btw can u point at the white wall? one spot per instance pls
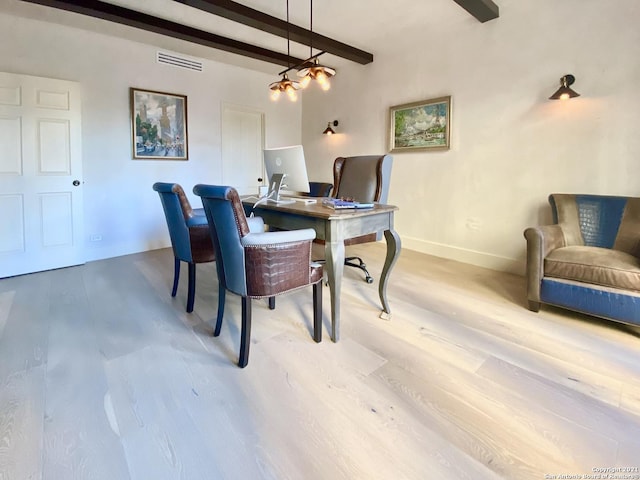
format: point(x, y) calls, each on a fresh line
point(510, 146)
point(119, 202)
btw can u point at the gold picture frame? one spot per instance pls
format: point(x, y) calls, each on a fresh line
point(158, 125)
point(420, 126)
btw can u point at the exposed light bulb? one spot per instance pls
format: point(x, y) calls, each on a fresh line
point(293, 96)
point(306, 80)
point(565, 96)
point(321, 77)
point(275, 94)
point(326, 85)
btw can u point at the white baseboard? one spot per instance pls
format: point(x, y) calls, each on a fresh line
point(473, 257)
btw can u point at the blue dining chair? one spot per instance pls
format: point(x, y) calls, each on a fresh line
point(189, 234)
point(253, 263)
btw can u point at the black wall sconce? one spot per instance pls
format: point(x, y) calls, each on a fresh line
point(329, 130)
point(564, 92)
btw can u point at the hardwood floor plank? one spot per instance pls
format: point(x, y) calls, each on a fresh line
point(78, 440)
point(104, 375)
point(349, 412)
point(6, 301)
point(599, 417)
point(473, 414)
point(25, 335)
point(22, 416)
point(630, 398)
point(153, 395)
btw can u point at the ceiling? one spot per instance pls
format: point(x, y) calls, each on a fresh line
point(378, 30)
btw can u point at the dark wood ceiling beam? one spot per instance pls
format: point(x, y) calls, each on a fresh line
point(132, 18)
point(483, 10)
point(275, 26)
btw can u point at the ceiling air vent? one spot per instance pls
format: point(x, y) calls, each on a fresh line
point(180, 62)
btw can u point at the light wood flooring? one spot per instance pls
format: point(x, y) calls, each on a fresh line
point(104, 376)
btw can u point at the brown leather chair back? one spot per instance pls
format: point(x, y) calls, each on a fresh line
point(361, 178)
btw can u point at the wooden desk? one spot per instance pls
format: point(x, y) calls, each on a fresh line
point(334, 226)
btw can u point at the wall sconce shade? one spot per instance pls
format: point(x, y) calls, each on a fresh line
point(329, 130)
point(564, 92)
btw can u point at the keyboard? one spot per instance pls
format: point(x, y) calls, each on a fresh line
point(299, 198)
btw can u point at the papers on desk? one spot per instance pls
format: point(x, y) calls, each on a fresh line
point(337, 204)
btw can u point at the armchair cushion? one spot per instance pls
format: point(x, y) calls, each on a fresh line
point(594, 265)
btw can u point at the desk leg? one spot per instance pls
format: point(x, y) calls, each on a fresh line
point(334, 255)
point(393, 249)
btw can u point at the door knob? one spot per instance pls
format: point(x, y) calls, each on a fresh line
point(76, 183)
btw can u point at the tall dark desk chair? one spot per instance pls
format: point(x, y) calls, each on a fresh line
point(189, 234)
point(320, 189)
point(364, 179)
point(253, 263)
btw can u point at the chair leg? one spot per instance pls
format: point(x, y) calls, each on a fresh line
point(534, 306)
point(176, 276)
point(222, 292)
point(317, 312)
point(361, 265)
point(192, 287)
point(245, 335)
point(272, 303)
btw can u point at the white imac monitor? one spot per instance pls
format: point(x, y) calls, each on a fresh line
point(287, 161)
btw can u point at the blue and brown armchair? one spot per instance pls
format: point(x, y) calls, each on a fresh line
point(589, 259)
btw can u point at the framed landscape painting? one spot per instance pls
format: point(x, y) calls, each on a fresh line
point(420, 126)
point(158, 125)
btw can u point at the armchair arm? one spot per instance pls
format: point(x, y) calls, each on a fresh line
point(278, 237)
point(540, 242)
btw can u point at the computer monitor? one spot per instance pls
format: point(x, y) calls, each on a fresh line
point(288, 161)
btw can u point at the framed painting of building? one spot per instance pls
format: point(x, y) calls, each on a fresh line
point(420, 126)
point(158, 125)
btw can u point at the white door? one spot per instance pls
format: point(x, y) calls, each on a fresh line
point(242, 145)
point(40, 174)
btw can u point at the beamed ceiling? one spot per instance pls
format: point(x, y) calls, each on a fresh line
point(345, 30)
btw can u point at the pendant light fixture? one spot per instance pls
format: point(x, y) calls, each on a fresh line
point(311, 69)
point(285, 84)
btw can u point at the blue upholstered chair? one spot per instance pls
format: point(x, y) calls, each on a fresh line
point(589, 259)
point(189, 234)
point(364, 179)
point(253, 263)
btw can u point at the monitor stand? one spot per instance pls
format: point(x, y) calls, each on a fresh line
point(275, 186)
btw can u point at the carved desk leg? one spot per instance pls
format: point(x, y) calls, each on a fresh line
point(393, 249)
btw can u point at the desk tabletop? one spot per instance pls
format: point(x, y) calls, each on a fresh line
point(318, 210)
